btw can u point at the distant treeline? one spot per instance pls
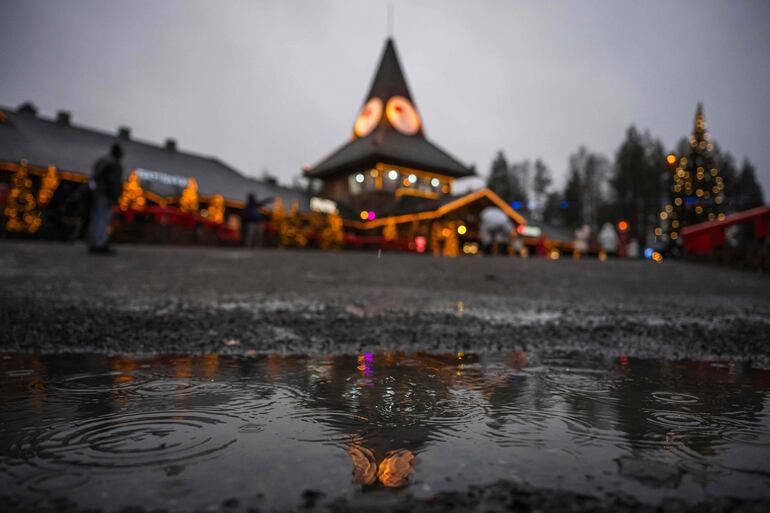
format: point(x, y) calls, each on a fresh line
point(633, 187)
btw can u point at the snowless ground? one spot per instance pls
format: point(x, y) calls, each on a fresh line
point(56, 298)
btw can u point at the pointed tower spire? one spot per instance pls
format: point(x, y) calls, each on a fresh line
point(389, 80)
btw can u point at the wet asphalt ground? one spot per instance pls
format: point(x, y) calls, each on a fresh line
point(145, 300)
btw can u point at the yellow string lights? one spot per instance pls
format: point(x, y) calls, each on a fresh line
point(21, 211)
point(189, 202)
point(217, 209)
point(48, 185)
point(132, 196)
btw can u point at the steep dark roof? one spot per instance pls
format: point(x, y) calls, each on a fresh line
point(385, 144)
point(389, 80)
point(44, 142)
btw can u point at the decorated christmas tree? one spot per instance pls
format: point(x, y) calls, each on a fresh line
point(290, 232)
point(133, 194)
point(217, 209)
point(696, 192)
point(21, 214)
point(188, 203)
point(332, 235)
point(48, 186)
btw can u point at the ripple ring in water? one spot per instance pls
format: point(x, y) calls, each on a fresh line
point(94, 384)
point(143, 439)
point(675, 398)
point(675, 419)
point(55, 482)
point(175, 387)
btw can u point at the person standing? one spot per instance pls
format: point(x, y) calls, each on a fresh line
point(254, 221)
point(106, 185)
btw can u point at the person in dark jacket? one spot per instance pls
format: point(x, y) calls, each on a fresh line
point(254, 221)
point(106, 185)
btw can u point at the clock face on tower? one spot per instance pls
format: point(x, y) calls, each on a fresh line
point(402, 115)
point(368, 118)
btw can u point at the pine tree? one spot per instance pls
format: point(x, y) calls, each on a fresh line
point(748, 192)
point(540, 184)
point(133, 194)
point(498, 177)
point(572, 212)
point(518, 180)
point(637, 181)
point(21, 214)
point(696, 190)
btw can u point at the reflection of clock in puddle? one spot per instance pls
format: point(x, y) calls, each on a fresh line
point(402, 115)
point(369, 117)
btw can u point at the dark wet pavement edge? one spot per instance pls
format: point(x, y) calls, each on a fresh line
point(497, 497)
point(51, 326)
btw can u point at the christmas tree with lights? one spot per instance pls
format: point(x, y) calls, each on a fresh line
point(132, 196)
point(291, 233)
point(189, 202)
point(217, 208)
point(696, 191)
point(332, 236)
point(21, 214)
point(48, 185)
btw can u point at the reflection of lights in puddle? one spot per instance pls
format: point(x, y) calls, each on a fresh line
point(393, 471)
point(365, 363)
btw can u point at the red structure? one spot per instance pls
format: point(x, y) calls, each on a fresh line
point(737, 237)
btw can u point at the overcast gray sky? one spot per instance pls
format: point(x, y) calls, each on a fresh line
point(274, 85)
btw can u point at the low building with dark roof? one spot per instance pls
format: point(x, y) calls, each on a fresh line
point(165, 169)
point(39, 145)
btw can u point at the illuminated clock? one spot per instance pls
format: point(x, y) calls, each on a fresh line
point(402, 115)
point(368, 118)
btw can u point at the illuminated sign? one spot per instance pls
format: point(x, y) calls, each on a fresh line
point(164, 178)
point(322, 205)
point(529, 231)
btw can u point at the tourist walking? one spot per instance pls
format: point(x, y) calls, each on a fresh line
point(106, 186)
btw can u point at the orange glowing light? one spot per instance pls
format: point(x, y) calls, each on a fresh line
point(402, 115)
point(623, 226)
point(395, 468)
point(368, 118)
point(364, 215)
point(671, 159)
point(364, 467)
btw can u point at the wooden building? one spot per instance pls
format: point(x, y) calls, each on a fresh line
point(394, 185)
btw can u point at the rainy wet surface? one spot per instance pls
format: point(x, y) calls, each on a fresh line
point(187, 432)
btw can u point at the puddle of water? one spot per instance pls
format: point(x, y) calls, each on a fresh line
point(188, 432)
